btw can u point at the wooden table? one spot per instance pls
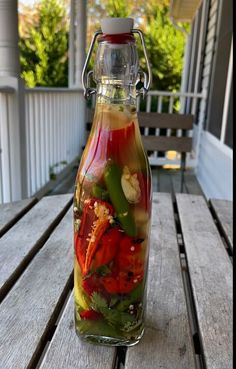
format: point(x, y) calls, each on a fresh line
point(189, 309)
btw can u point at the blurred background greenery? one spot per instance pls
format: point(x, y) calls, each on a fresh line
point(44, 39)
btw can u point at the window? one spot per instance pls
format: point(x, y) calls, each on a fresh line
point(219, 73)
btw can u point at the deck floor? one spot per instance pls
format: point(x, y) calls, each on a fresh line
point(164, 180)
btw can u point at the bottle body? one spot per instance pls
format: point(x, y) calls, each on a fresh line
point(112, 211)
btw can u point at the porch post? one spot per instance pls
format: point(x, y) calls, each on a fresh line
point(13, 148)
point(184, 79)
point(9, 53)
point(78, 31)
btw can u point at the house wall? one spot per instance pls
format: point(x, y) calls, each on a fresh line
point(214, 164)
point(214, 171)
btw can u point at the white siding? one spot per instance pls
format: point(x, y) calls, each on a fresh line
point(215, 169)
point(214, 165)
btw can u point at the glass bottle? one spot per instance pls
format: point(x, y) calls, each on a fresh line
point(112, 200)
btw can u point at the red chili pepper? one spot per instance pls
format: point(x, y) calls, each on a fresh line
point(107, 248)
point(122, 282)
point(128, 269)
point(145, 187)
point(90, 314)
point(101, 227)
point(129, 256)
point(81, 242)
point(111, 141)
point(92, 284)
point(107, 143)
point(85, 246)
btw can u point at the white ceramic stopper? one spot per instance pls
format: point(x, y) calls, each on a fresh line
point(112, 26)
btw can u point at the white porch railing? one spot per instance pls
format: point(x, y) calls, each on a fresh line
point(55, 134)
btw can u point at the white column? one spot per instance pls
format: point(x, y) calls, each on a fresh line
point(14, 181)
point(9, 52)
point(185, 73)
point(77, 47)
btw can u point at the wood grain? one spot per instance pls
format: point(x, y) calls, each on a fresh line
point(158, 120)
point(164, 180)
point(191, 183)
point(12, 211)
point(165, 120)
point(210, 272)
point(223, 210)
point(167, 341)
point(19, 244)
point(163, 143)
point(27, 311)
point(66, 350)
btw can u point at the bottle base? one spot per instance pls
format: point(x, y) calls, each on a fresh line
point(109, 341)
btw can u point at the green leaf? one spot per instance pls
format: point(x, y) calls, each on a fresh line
point(132, 298)
point(99, 327)
point(53, 176)
point(117, 318)
point(114, 317)
point(98, 302)
point(114, 300)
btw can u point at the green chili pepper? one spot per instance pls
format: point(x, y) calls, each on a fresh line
point(100, 192)
point(112, 177)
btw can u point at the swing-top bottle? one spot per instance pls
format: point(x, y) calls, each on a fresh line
point(112, 199)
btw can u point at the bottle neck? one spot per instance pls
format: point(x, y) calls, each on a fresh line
point(113, 92)
point(116, 68)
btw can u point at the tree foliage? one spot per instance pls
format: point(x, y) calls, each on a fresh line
point(44, 47)
point(165, 44)
point(44, 42)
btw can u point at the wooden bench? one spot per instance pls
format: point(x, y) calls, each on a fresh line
point(223, 212)
point(11, 212)
point(189, 292)
point(150, 122)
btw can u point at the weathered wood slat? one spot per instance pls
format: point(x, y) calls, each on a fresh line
point(66, 350)
point(211, 279)
point(19, 244)
point(166, 342)
point(191, 183)
point(158, 120)
point(176, 181)
point(165, 120)
point(223, 210)
point(11, 212)
point(67, 184)
point(163, 143)
point(29, 309)
point(164, 181)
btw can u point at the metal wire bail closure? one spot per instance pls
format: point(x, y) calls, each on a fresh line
point(88, 91)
